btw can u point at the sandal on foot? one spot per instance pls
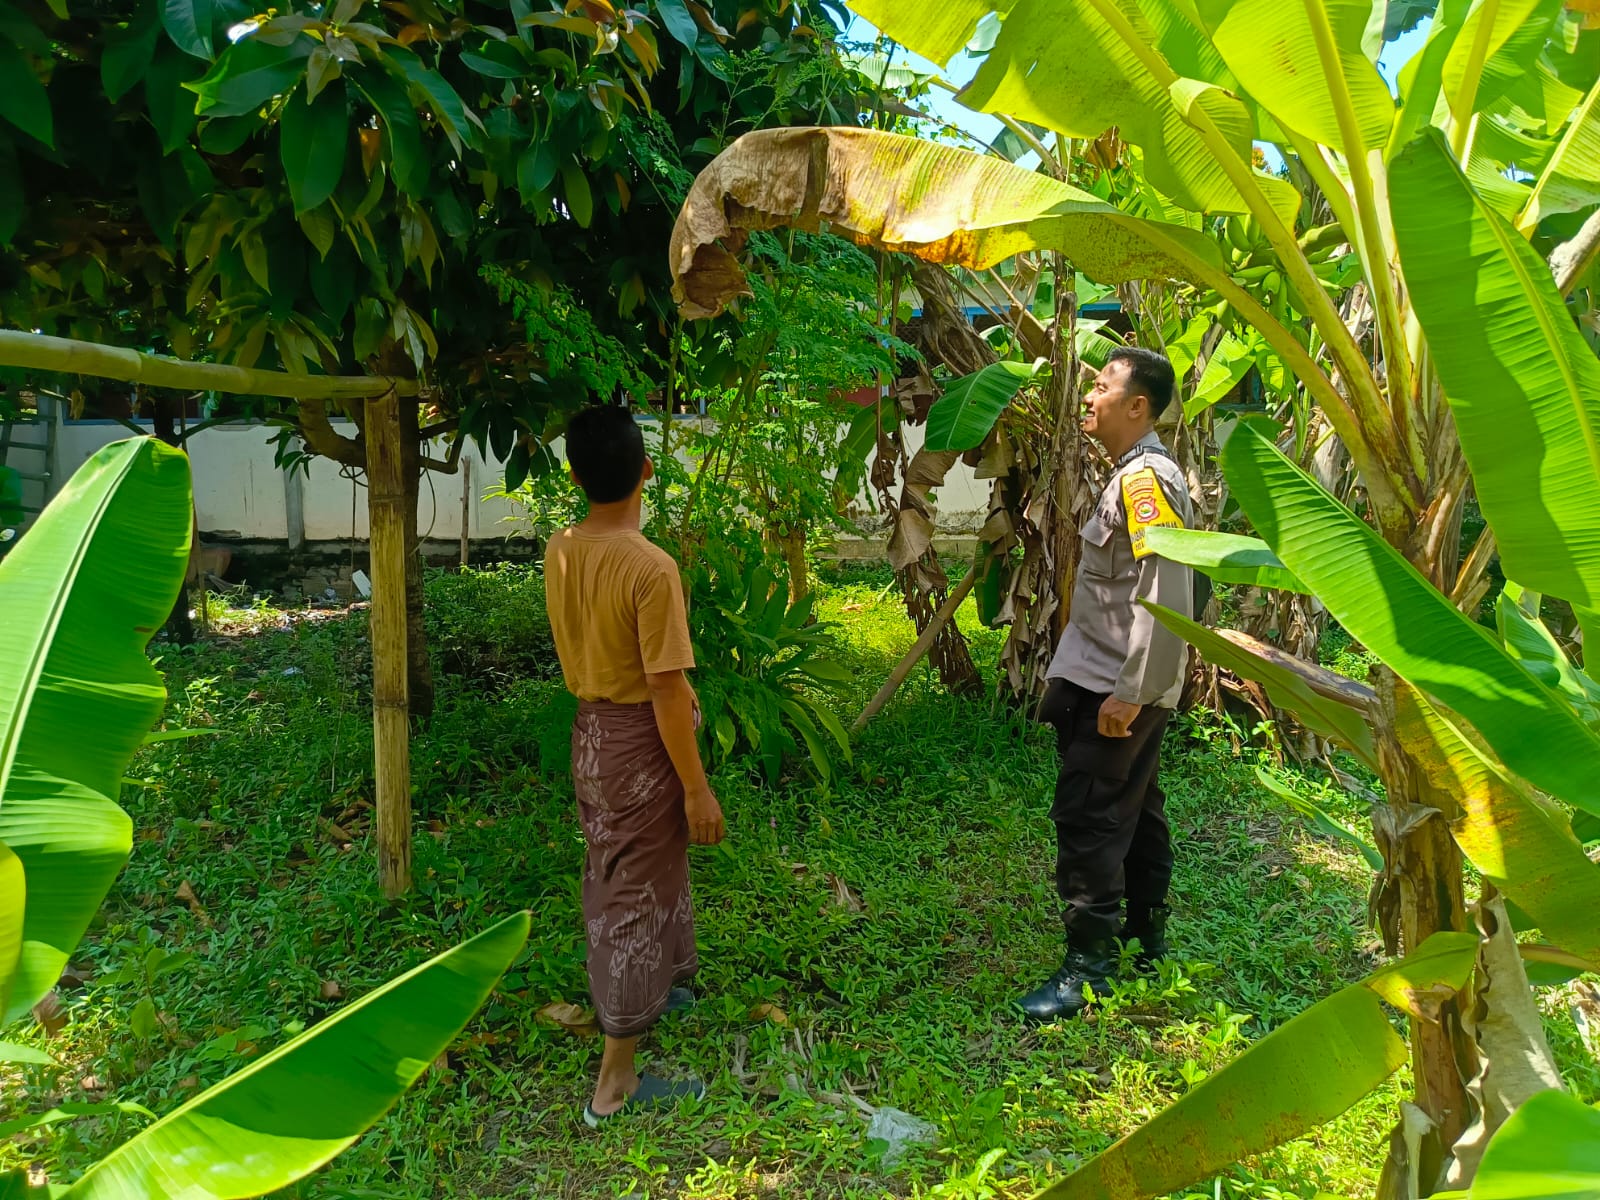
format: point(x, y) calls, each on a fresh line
point(653, 1092)
point(680, 999)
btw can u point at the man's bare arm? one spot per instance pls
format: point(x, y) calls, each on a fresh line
point(674, 703)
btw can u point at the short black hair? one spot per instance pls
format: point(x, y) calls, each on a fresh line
point(1149, 373)
point(605, 449)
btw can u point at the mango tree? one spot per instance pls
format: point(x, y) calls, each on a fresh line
point(417, 189)
point(1462, 371)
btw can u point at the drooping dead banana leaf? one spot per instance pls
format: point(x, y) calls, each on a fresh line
point(900, 193)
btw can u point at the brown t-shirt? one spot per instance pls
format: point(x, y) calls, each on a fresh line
point(617, 612)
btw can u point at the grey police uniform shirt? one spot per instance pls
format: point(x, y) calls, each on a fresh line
point(1113, 645)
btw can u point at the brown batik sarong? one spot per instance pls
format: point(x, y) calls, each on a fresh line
point(636, 901)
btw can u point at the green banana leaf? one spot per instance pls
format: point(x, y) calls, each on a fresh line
point(938, 32)
point(1229, 363)
point(1391, 610)
point(1570, 181)
point(289, 1112)
point(1317, 817)
point(1093, 346)
point(1549, 1148)
point(1476, 68)
point(1525, 849)
point(79, 608)
point(962, 417)
point(1288, 688)
point(1536, 648)
point(13, 899)
point(1302, 1074)
point(11, 1052)
point(1081, 68)
point(1226, 557)
point(1523, 384)
point(1332, 92)
point(1422, 78)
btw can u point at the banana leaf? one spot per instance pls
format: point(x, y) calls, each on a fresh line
point(1226, 557)
point(962, 417)
point(1523, 384)
point(289, 1112)
point(1536, 648)
point(1387, 606)
point(1316, 817)
point(79, 608)
point(1302, 1074)
point(1084, 67)
point(902, 193)
point(936, 31)
point(1302, 688)
point(1570, 181)
point(1525, 849)
point(1489, 50)
point(1305, 62)
point(1549, 1148)
point(1422, 78)
point(13, 899)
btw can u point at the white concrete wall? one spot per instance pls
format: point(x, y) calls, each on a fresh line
point(239, 493)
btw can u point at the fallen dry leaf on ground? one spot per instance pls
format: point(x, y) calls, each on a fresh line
point(769, 1012)
point(185, 893)
point(842, 895)
point(570, 1017)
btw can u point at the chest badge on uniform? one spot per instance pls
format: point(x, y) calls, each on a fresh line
point(1147, 508)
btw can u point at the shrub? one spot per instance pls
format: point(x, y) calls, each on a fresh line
point(490, 623)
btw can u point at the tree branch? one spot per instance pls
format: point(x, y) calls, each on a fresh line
point(319, 434)
point(1571, 259)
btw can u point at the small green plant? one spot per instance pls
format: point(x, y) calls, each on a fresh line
point(761, 660)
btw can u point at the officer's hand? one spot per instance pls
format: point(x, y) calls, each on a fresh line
point(1116, 716)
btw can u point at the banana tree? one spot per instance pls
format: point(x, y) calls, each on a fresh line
point(82, 594)
point(1463, 372)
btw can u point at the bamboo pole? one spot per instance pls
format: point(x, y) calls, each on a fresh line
point(386, 504)
point(466, 508)
point(68, 356)
point(921, 647)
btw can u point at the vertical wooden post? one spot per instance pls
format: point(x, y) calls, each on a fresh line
point(391, 732)
point(466, 508)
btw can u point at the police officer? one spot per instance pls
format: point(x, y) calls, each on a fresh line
point(1112, 685)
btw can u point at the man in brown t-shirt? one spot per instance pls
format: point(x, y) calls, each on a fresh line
point(617, 612)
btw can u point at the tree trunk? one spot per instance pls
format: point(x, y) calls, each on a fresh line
point(1419, 894)
point(387, 505)
point(419, 664)
point(793, 547)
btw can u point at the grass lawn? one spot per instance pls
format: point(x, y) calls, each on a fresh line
point(859, 942)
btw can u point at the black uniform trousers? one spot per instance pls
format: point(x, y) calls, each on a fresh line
point(1112, 839)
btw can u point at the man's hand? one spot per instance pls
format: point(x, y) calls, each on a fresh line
point(1116, 716)
point(705, 817)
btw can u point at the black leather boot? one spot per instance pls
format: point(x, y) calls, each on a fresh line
point(1089, 962)
point(1148, 924)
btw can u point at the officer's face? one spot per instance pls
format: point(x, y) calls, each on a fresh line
point(1107, 409)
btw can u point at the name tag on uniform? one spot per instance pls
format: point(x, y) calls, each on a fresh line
point(1147, 508)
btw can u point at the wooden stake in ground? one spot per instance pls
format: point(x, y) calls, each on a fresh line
point(386, 500)
point(914, 655)
point(466, 508)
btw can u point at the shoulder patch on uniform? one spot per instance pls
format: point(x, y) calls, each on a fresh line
point(1147, 507)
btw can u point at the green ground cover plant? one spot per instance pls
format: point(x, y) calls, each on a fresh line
point(859, 938)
